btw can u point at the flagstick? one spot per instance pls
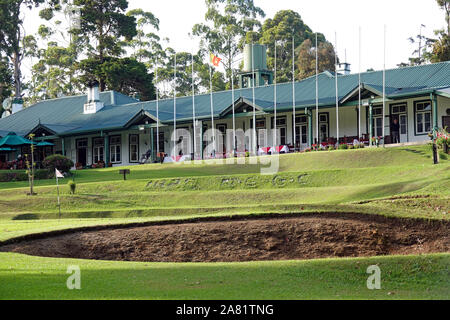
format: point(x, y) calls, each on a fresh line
point(193, 108)
point(254, 102)
point(293, 91)
point(59, 201)
point(384, 86)
point(175, 108)
point(275, 141)
point(359, 90)
point(317, 91)
point(337, 93)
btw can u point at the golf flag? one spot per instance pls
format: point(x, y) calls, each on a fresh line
point(215, 60)
point(58, 174)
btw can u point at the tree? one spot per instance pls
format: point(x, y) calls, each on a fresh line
point(6, 82)
point(106, 22)
point(146, 46)
point(12, 34)
point(125, 75)
point(445, 5)
point(306, 61)
point(283, 28)
point(441, 47)
point(184, 75)
point(228, 22)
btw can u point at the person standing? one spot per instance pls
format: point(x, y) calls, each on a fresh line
point(395, 131)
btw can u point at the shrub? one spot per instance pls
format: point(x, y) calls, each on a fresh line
point(13, 176)
point(343, 146)
point(60, 162)
point(73, 186)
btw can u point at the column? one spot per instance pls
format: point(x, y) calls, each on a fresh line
point(63, 145)
point(107, 157)
point(435, 112)
point(310, 126)
point(152, 143)
point(370, 123)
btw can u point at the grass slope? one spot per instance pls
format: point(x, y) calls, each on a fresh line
point(397, 182)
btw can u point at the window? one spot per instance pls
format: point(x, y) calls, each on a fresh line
point(423, 117)
point(115, 149)
point(98, 146)
point(281, 122)
point(301, 119)
point(82, 144)
point(134, 148)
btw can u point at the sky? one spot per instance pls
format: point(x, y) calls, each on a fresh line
point(344, 18)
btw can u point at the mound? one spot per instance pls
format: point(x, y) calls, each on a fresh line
point(299, 237)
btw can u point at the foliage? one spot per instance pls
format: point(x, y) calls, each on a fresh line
point(72, 186)
point(287, 25)
point(227, 24)
point(306, 61)
point(60, 162)
point(343, 146)
point(6, 82)
point(107, 23)
point(125, 75)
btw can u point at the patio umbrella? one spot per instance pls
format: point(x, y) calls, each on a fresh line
point(45, 144)
point(13, 140)
point(7, 150)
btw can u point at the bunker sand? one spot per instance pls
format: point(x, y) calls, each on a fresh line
point(307, 236)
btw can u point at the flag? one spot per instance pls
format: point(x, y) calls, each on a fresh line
point(215, 60)
point(59, 174)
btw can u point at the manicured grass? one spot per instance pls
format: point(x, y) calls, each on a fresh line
point(398, 182)
point(412, 277)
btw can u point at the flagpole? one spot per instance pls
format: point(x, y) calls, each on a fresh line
point(212, 110)
point(275, 141)
point(317, 91)
point(157, 111)
point(293, 91)
point(359, 90)
point(175, 107)
point(337, 92)
point(254, 101)
point(233, 100)
point(193, 109)
point(384, 85)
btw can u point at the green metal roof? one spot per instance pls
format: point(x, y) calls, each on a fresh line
point(64, 116)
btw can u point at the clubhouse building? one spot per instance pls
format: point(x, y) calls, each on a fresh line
point(114, 128)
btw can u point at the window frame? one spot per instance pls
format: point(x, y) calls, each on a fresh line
point(93, 149)
point(129, 148)
point(416, 133)
point(111, 145)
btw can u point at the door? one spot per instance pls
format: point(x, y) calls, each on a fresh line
point(446, 122)
point(82, 151)
point(324, 127)
point(399, 113)
point(221, 140)
point(301, 136)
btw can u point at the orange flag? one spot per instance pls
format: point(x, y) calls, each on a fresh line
point(215, 60)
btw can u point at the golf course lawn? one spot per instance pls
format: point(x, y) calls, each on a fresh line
point(396, 182)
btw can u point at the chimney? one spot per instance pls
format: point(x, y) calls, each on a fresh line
point(255, 72)
point(17, 105)
point(93, 104)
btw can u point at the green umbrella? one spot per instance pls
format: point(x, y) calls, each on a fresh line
point(45, 144)
point(13, 140)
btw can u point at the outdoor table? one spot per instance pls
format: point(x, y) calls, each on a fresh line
point(279, 149)
point(264, 150)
